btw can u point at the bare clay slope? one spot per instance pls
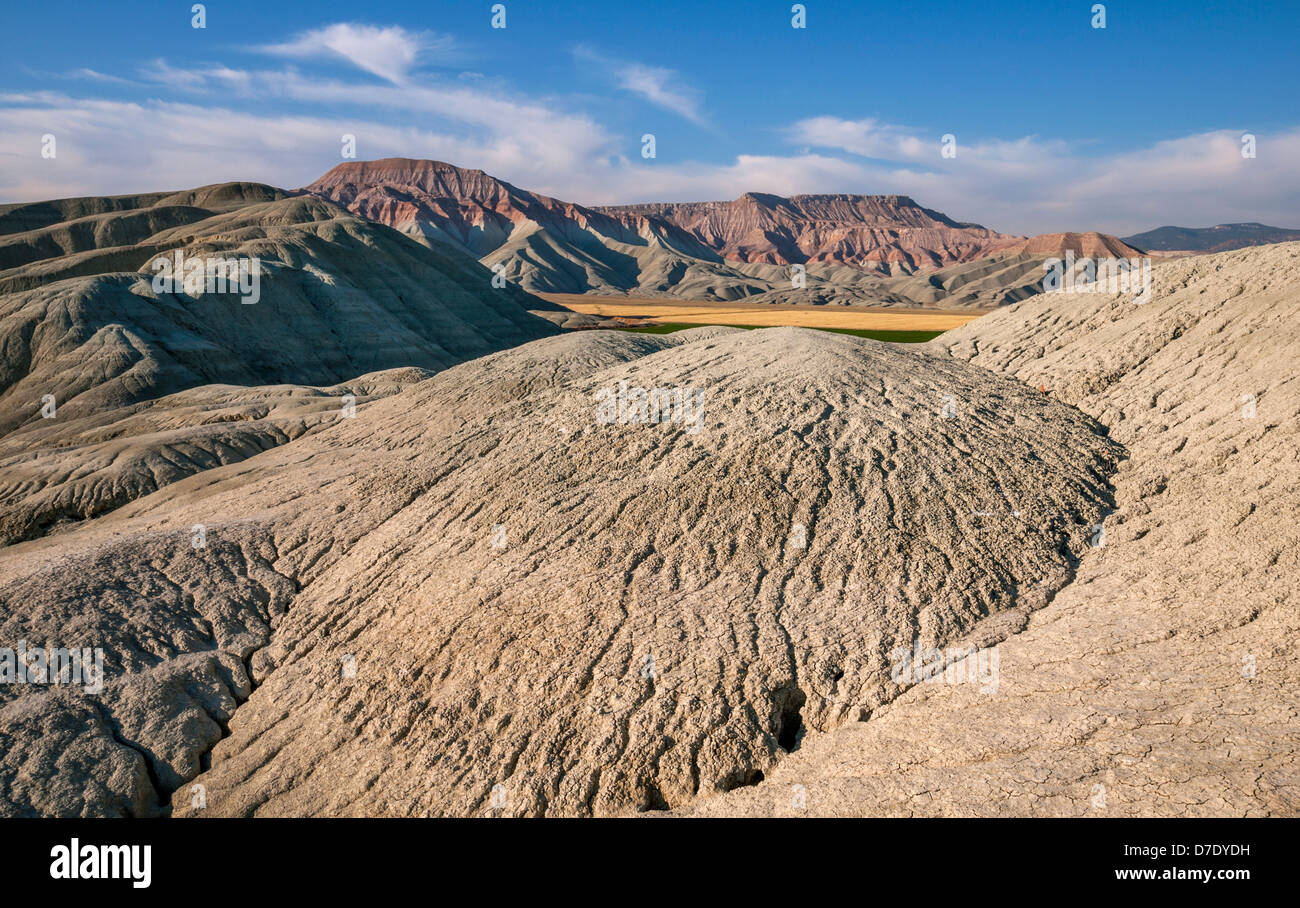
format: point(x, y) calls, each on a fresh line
point(144, 380)
point(338, 297)
point(648, 626)
point(59, 471)
point(1163, 680)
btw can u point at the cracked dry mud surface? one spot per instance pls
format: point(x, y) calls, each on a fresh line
point(1132, 692)
point(110, 457)
point(653, 628)
point(648, 634)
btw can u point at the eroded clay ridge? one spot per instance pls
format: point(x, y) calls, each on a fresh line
point(486, 579)
point(113, 384)
point(1162, 682)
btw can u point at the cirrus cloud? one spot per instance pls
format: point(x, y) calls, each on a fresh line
point(390, 52)
point(658, 85)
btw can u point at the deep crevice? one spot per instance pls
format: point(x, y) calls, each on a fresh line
point(743, 779)
point(115, 732)
point(653, 799)
point(788, 701)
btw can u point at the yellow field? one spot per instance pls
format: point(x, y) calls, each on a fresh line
point(654, 311)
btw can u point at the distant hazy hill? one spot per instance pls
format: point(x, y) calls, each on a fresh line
point(1219, 238)
point(1091, 245)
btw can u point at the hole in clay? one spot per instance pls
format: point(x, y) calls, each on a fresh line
point(789, 726)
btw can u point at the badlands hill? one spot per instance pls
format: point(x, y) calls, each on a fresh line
point(1219, 238)
point(111, 359)
point(549, 246)
point(81, 316)
point(1011, 272)
point(1091, 245)
point(1162, 680)
point(473, 210)
point(482, 580)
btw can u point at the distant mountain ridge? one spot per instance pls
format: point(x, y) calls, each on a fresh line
point(877, 250)
point(863, 231)
point(583, 248)
point(468, 208)
point(1219, 238)
point(1091, 244)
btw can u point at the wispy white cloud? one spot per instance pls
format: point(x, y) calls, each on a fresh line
point(535, 139)
point(658, 85)
point(205, 78)
point(867, 138)
point(107, 147)
point(655, 84)
point(81, 74)
point(96, 76)
point(390, 52)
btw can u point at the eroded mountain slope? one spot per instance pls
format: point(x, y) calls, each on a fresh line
point(847, 245)
point(885, 233)
point(337, 297)
point(878, 250)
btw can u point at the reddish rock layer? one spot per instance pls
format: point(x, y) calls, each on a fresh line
point(479, 212)
point(1093, 245)
point(864, 231)
point(473, 209)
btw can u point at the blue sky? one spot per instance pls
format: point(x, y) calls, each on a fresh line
point(1059, 125)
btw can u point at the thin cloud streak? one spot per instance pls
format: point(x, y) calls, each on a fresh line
point(390, 52)
point(658, 85)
